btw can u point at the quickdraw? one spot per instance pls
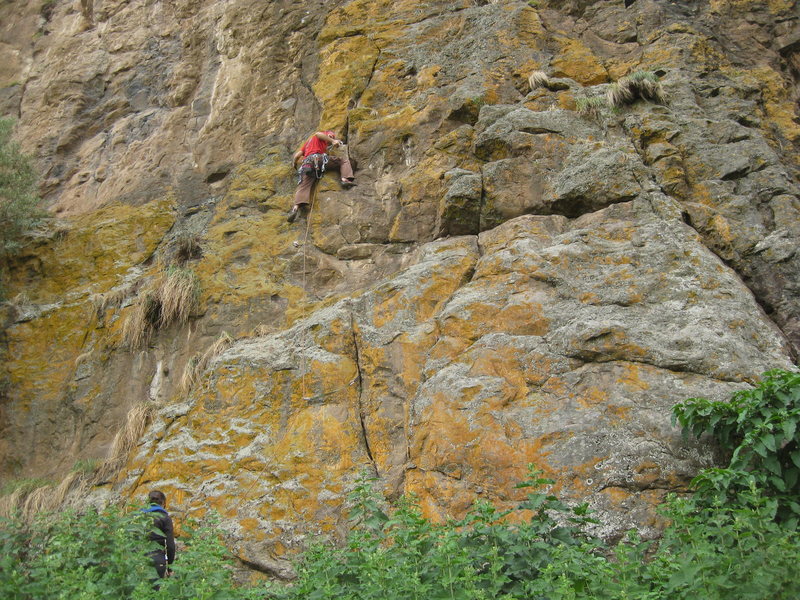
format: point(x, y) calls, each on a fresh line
point(312, 163)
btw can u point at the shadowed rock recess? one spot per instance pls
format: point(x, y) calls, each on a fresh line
point(514, 280)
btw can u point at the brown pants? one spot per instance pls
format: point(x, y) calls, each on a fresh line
point(305, 189)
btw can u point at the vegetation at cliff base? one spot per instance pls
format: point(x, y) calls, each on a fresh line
point(734, 538)
point(760, 431)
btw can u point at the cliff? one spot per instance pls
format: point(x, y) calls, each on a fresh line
point(530, 269)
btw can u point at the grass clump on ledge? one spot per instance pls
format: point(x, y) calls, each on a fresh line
point(187, 247)
point(23, 485)
point(538, 79)
point(639, 85)
point(591, 107)
point(171, 299)
point(86, 466)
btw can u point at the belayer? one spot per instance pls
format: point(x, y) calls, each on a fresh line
point(162, 534)
point(311, 162)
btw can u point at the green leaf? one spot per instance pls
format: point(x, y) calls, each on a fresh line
point(790, 476)
point(771, 462)
point(760, 448)
point(789, 429)
point(778, 483)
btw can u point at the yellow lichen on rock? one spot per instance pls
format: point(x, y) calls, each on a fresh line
point(779, 108)
point(726, 6)
point(98, 247)
point(39, 371)
point(242, 259)
point(94, 254)
point(578, 62)
point(346, 66)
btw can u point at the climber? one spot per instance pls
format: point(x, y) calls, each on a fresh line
point(162, 534)
point(313, 160)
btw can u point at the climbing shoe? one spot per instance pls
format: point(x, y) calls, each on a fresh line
point(347, 183)
point(293, 214)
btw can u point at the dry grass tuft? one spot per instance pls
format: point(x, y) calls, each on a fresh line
point(190, 373)
point(639, 85)
point(619, 94)
point(199, 362)
point(74, 482)
point(12, 503)
point(538, 79)
point(39, 500)
point(171, 299)
point(187, 247)
point(138, 327)
point(125, 440)
point(111, 299)
point(33, 496)
point(178, 293)
point(262, 331)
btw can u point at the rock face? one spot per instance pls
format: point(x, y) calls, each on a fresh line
point(562, 343)
point(514, 279)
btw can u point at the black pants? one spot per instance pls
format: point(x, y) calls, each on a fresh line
point(159, 562)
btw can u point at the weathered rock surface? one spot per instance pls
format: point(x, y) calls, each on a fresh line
point(511, 281)
point(562, 343)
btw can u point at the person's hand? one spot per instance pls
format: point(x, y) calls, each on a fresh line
point(338, 143)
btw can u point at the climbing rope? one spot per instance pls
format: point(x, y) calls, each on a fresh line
point(304, 315)
point(303, 312)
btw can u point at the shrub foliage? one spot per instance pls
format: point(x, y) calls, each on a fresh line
point(19, 202)
point(760, 430)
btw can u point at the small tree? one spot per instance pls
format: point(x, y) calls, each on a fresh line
point(19, 203)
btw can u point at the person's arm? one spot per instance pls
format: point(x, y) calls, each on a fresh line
point(169, 539)
point(327, 139)
point(297, 156)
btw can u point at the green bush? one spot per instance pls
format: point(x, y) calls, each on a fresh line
point(19, 203)
point(726, 551)
point(93, 554)
point(709, 553)
point(88, 555)
point(484, 555)
point(759, 430)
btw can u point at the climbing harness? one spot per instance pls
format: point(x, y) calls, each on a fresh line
point(313, 163)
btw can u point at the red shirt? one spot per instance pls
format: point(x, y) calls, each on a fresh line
point(314, 145)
